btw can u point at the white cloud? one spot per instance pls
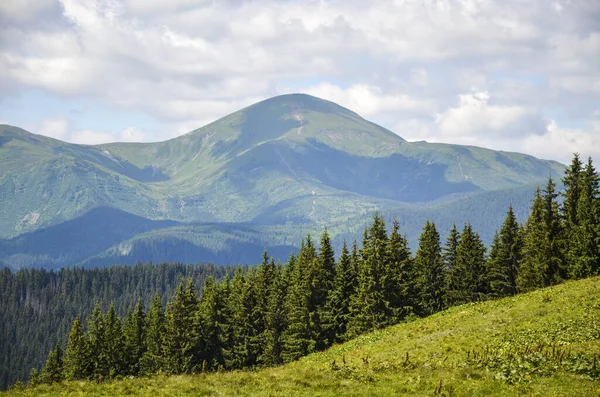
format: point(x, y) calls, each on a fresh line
point(512, 65)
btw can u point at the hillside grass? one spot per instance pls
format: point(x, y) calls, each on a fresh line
point(545, 343)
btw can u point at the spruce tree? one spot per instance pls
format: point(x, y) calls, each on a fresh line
point(321, 279)
point(53, 370)
point(210, 324)
point(544, 243)
point(469, 276)
point(276, 320)
point(114, 343)
point(368, 306)
point(338, 306)
point(505, 257)
point(134, 334)
point(180, 336)
point(430, 272)
point(232, 340)
point(573, 189)
point(99, 361)
point(298, 337)
point(77, 360)
point(398, 278)
point(584, 237)
point(151, 360)
point(533, 269)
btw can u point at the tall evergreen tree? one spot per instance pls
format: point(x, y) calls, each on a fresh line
point(53, 370)
point(321, 279)
point(134, 334)
point(276, 321)
point(505, 257)
point(298, 337)
point(368, 307)
point(232, 340)
point(77, 360)
point(573, 189)
point(99, 361)
point(430, 272)
point(544, 243)
point(114, 343)
point(469, 276)
point(584, 236)
point(180, 336)
point(398, 278)
point(338, 306)
point(210, 323)
point(151, 360)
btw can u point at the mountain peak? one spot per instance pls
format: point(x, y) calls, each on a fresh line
point(298, 102)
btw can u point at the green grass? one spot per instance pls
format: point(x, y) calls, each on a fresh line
point(537, 344)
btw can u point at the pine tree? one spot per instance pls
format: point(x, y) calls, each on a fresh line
point(77, 360)
point(210, 323)
point(368, 307)
point(338, 306)
point(532, 272)
point(430, 272)
point(180, 336)
point(249, 321)
point(134, 333)
point(505, 257)
point(573, 189)
point(555, 241)
point(584, 236)
point(398, 278)
point(276, 320)
point(151, 360)
point(298, 337)
point(469, 276)
point(53, 370)
point(321, 279)
point(544, 243)
point(114, 343)
point(231, 341)
point(96, 329)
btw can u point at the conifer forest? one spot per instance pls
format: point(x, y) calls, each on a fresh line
point(178, 319)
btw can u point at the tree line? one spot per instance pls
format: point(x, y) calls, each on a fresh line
point(275, 313)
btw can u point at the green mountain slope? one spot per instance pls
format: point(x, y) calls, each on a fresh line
point(544, 343)
point(291, 161)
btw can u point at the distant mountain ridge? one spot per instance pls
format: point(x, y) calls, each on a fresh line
point(289, 163)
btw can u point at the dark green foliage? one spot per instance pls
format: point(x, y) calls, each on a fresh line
point(544, 243)
point(583, 254)
point(77, 357)
point(99, 362)
point(134, 333)
point(468, 278)
point(276, 318)
point(114, 343)
point(506, 255)
point(210, 324)
point(430, 272)
point(398, 282)
point(151, 360)
point(338, 305)
point(298, 337)
point(368, 307)
point(53, 370)
point(180, 336)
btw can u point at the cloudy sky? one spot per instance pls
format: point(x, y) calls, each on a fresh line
point(520, 75)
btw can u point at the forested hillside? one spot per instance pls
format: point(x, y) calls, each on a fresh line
point(37, 307)
point(276, 313)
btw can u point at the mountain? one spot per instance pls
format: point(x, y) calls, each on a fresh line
point(256, 178)
point(543, 343)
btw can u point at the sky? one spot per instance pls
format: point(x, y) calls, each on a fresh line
point(518, 75)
